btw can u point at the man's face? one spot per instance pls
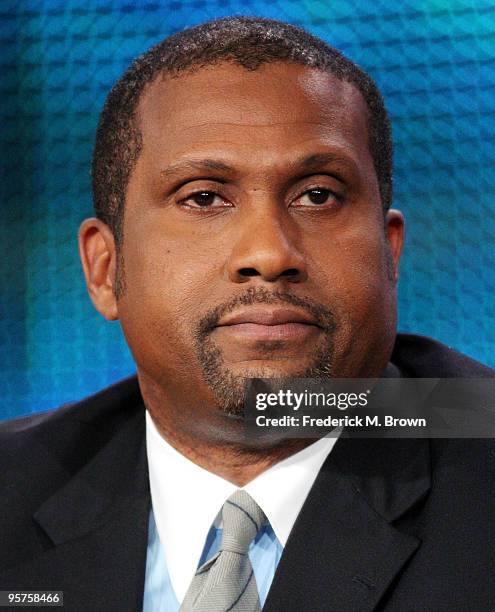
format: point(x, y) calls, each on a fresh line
point(254, 239)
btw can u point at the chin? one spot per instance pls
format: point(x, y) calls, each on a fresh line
point(270, 368)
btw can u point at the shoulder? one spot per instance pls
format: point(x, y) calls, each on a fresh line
point(96, 409)
point(461, 499)
point(463, 469)
point(68, 436)
point(75, 455)
point(422, 357)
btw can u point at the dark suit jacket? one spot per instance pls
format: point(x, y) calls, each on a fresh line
point(396, 525)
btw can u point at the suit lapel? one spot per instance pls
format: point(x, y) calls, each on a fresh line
point(343, 553)
point(97, 524)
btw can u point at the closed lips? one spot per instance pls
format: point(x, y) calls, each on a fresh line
point(270, 317)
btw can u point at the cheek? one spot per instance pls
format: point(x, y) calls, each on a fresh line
point(358, 290)
point(168, 287)
point(354, 274)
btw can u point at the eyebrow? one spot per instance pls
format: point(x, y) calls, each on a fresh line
point(309, 162)
point(319, 159)
point(195, 165)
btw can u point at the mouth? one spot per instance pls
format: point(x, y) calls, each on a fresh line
point(269, 324)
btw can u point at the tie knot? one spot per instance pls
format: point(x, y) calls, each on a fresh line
point(242, 519)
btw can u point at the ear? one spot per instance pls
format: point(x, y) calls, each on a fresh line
point(394, 229)
point(99, 259)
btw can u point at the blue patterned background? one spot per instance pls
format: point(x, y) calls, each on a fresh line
point(434, 61)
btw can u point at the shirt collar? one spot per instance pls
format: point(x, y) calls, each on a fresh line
point(186, 499)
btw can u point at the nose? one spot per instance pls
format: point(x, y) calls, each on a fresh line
point(265, 249)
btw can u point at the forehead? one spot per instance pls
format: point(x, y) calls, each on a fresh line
point(268, 113)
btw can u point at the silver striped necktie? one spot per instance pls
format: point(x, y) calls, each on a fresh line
point(226, 582)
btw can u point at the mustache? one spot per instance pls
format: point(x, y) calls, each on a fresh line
point(259, 295)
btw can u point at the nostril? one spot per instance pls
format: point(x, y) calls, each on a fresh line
point(249, 272)
point(290, 272)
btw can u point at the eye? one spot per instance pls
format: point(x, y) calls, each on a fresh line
point(316, 197)
point(203, 199)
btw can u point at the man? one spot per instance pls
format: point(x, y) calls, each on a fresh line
point(242, 186)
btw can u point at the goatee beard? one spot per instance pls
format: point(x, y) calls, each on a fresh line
point(228, 388)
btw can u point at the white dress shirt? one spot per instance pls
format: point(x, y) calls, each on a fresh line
point(186, 499)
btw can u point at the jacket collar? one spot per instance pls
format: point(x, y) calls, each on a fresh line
point(344, 552)
point(97, 523)
point(114, 478)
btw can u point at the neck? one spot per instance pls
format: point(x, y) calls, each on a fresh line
point(208, 438)
point(232, 461)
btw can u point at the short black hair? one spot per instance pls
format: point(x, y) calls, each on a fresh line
point(247, 41)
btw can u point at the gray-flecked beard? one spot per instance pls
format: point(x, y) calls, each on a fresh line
point(230, 389)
